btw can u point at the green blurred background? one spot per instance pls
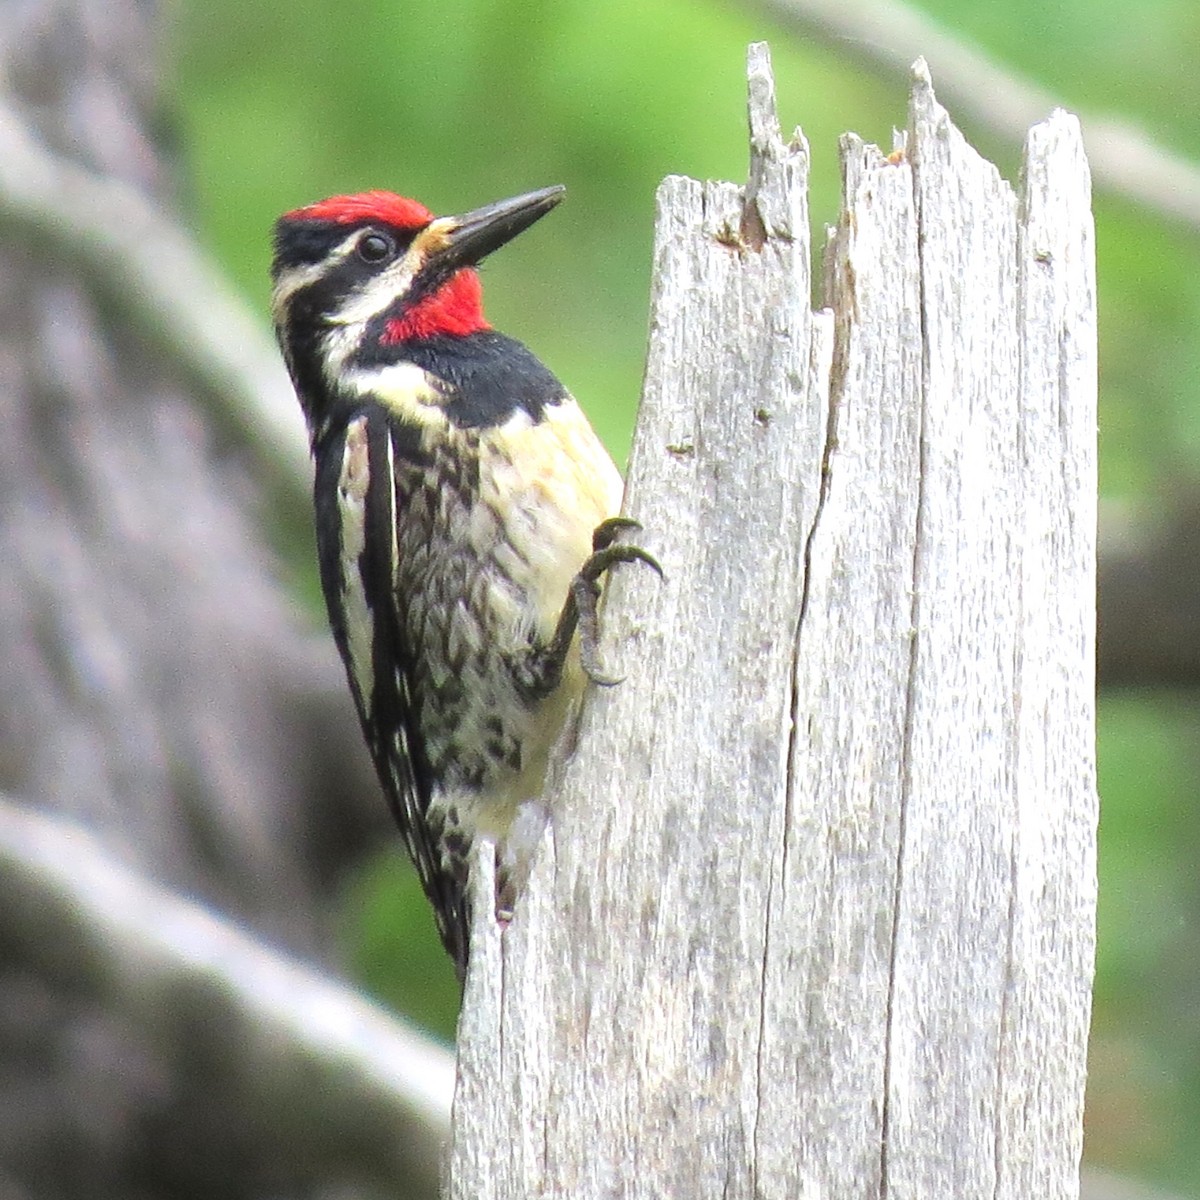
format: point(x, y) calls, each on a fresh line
point(473, 100)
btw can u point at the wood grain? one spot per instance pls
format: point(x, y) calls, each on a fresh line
point(815, 912)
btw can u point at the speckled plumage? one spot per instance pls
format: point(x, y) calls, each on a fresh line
point(457, 489)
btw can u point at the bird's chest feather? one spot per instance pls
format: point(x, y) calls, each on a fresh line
point(491, 531)
point(472, 539)
point(492, 527)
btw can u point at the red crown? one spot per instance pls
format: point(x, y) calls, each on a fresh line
point(385, 207)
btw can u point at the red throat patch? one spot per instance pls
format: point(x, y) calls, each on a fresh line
point(455, 308)
point(385, 207)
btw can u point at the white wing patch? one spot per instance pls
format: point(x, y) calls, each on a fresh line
point(353, 484)
point(404, 389)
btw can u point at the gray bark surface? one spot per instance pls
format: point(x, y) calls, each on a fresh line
point(814, 915)
point(160, 687)
point(324, 1080)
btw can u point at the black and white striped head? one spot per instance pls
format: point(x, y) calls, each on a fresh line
point(368, 271)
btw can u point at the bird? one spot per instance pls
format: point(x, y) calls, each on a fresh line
point(465, 512)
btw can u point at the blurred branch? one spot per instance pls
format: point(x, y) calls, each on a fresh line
point(325, 1074)
point(1149, 595)
point(891, 35)
point(317, 1070)
point(1104, 1185)
point(155, 266)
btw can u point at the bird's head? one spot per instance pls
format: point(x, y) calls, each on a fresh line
point(369, 271)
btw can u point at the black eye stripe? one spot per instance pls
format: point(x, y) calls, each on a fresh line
point(300, 243)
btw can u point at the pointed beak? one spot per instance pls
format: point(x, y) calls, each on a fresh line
point(463, 241)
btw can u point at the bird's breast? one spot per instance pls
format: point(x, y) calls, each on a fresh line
point(501, 519)
point(492, 527)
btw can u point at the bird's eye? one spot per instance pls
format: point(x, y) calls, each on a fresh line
point(375, 247)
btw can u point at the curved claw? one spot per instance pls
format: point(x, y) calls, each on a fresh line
point(610, 529)
point(596, 676)
point(543, 672)
point(602, 559)
point(585, 591)
point(645, 556)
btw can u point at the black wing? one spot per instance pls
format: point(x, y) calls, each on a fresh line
point(355, 497)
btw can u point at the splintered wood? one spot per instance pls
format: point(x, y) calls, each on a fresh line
point(814, 915)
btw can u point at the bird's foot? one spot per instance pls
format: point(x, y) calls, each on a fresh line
point(585, 589)
point(579, 612)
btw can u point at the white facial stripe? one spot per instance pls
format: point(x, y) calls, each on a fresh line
point(376, 294)
point(291, 281)
point(348, 323)
point(337, 345)
point(345, 327)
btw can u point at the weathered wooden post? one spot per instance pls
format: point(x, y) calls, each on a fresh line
point(815, 914)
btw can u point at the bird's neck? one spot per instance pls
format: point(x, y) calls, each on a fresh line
point(455, 309)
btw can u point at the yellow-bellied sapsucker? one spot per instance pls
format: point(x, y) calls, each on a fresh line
point(464, 512)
